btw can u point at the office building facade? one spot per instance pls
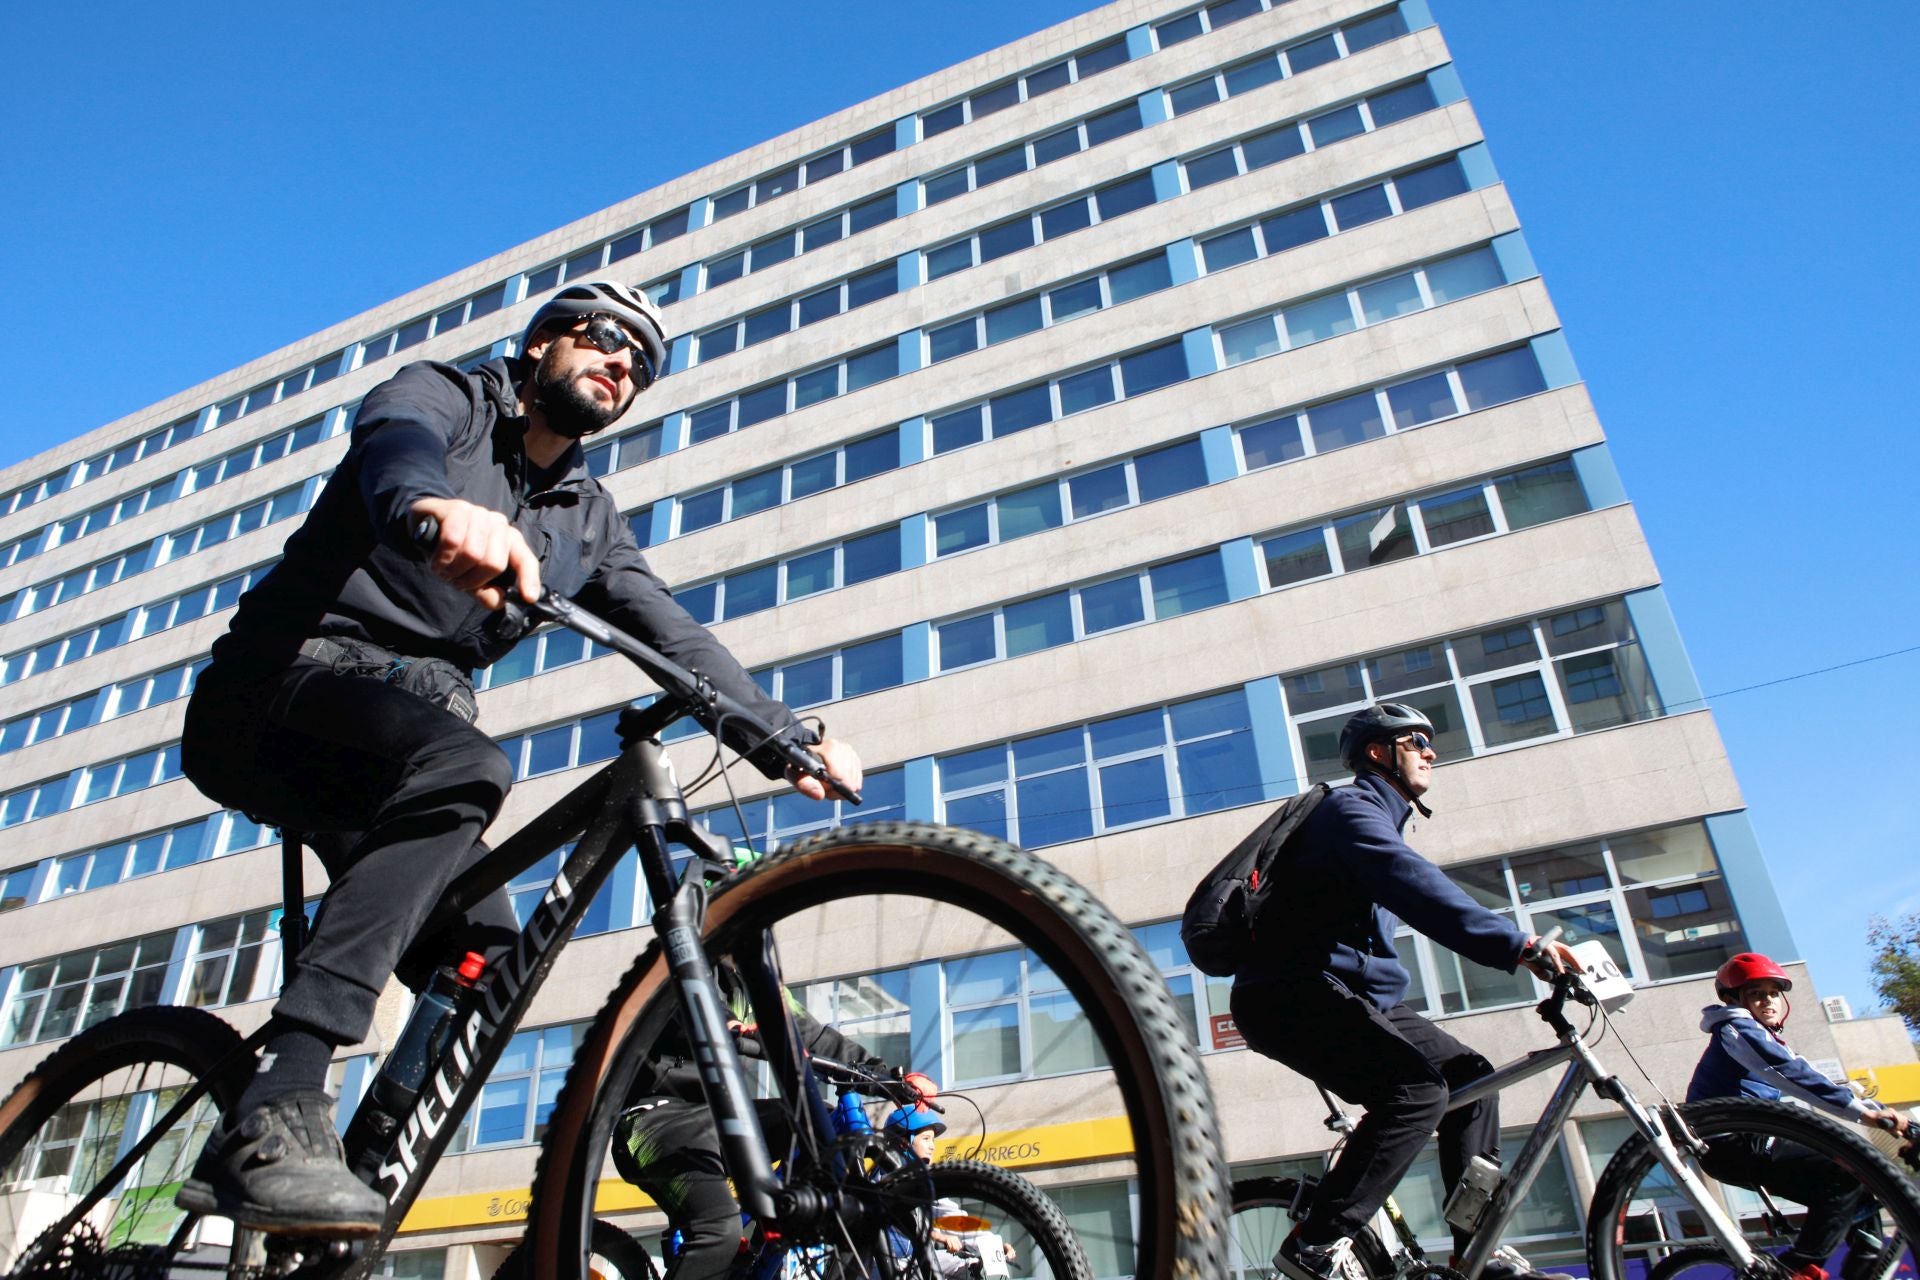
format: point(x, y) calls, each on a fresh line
point(1085, 431)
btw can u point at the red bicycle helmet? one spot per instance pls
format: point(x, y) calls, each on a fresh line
point(1748, 966)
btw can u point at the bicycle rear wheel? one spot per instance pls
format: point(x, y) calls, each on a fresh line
point(1261, 1221)
point(615, 1256)
point(78, 1113)
point(1642, 1221)
point(828, 893)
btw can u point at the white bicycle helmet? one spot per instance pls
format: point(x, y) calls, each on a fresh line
point(623, 302)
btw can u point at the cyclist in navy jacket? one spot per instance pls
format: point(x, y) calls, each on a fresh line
point(1748, 1056)
point(1323, 993)
point(340, 703)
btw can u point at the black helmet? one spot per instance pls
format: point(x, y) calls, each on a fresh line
point(623, 302)
point(1382, 723)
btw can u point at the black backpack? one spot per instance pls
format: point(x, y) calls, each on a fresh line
point(1217, 926)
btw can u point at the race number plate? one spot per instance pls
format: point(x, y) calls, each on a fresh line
point(1603, 976)
point(993, 1254)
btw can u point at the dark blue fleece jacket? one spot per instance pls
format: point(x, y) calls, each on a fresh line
point(1342, 885)
point(1744, 1059)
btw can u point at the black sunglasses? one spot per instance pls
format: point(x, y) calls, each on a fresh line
point(607, 335)
point(1420, 741)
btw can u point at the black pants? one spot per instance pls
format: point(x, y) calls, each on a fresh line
point(391, 792)
point(669, 1148)
point(1395, 1064)
point(1832, 1197)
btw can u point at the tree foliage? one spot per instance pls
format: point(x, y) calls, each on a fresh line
point(1896, 965)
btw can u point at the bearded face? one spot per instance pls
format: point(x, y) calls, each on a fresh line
point(579, 390)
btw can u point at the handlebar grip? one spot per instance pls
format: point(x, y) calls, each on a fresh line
point(424, 532)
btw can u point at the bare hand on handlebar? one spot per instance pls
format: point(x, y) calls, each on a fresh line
point(843, 764)
point(1548, 956)
point(471, 546)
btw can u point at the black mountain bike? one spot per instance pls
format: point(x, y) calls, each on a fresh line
point(96, 1140)
point(1655, 1207)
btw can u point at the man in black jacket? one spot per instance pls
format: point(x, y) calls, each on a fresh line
point(340, 703)
point(1324, 993)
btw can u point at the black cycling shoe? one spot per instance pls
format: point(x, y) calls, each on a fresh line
point(282, 1169)
point(1506, 1264)
point(1302, 1261)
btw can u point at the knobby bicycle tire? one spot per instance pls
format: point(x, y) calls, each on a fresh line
point(1261, 1222)
point(1045, 1228)
point(1182, 1181)
point(627, 1256)
point(1633, 1177)
point(125, 1056)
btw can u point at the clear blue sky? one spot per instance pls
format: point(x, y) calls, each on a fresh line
point(1721, 197)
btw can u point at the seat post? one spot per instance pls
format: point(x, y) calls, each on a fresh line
point(293, 918)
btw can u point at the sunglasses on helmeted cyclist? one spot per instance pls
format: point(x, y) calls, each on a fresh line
point(605, 334)
point(1419, 741)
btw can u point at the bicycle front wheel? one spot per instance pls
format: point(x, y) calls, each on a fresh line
point(109, 1090)
point(1816, 1170)
point(1261, 1220)
point(972, 1196)
point(828, 901)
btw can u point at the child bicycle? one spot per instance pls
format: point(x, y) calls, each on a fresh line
point(95, 1141)
point(1652, 1204)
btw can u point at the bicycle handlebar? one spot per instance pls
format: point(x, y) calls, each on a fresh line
point(707, 704)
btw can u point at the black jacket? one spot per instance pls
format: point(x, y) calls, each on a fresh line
point(433, 431)
point(1339, 886)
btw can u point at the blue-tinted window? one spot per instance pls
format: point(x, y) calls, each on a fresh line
point(1191, 97)
point(1014, 320)
point(1037, 624)
point(961, 530)
point(882, 208)
point(756, 493)
point(1178, 30)
point(1092, 61)
point(1008, 237)
point(1286, 230)
point(727, 269)
point(1357, 208)
point(1215, 166)
point(1116, 123)
point(1421, 400)
point(1435, 182)
point(1335, 126)
point(1098, 491)
point(961, 427)
point(816, 307)
point(872, 456)
point(1398, 104)
point(1064, 218)
point(1319, 318)
point(810, 573)
point(1154, 368)
point(702, 510)
point(1055, 808)
point(1344, 422)
point(946, 186)
point(1029, 511)
point(1229, 250)
point(875, 365)
point(870, 556)
point(775, 250)
point(824, 232)
point(1072, 300)
point(1172, 470)
point(770, 323)
point(762, 403)
point(952, 340)
point(871, 286)
point(1218, 773)
point(813, 475)
point(1000, 165)
point(1498, 379)
point(1047, 79)
point(812, 388)
point(807, 684)
point(710, 422)
point(1312, 53)
point(966, 642)
point(549, 750)
point(1251, 75)
point(1198, 582)
point(1296, 557)
point(1375, 30)
point(1465, 275)
point(1273, 146)
point(1056, 145)
point(1087, 390)
point(938, 122)
point(949, 258)
point(1125, 196)
point(1111, 604)
point(1138, 278)
point(752, 590)
point(877, 664)
point(1018, 410)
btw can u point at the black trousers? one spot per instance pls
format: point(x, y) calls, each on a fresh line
point(1832, 1197)
point(1396, 1065)
point(391, 792)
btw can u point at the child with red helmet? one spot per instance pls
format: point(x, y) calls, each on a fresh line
point(1747, 1056)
